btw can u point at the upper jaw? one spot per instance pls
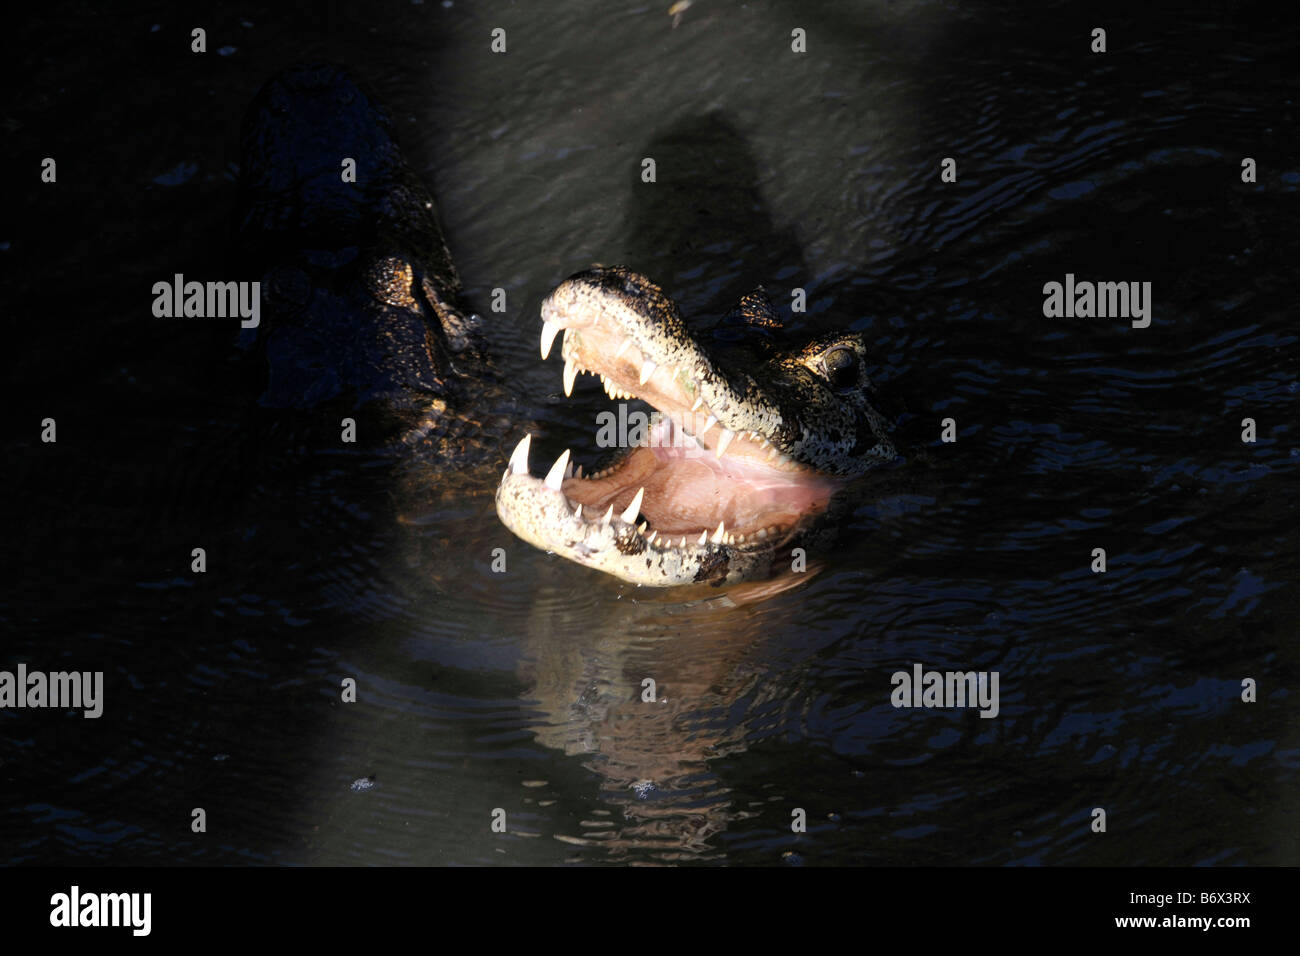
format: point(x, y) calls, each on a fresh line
point(618, 325)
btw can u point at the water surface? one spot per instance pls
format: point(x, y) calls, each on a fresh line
point(522, 691)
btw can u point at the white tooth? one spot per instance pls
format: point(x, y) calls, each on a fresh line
point(555, 476)
point(642, 526)
point(519, 459)
point(577, 510)
point(608, 516)
point(651, 538)
point(719, 536)
point(647, 369)
point(708, 423)
point(704, 536)
point(577, 472)
point(634, 508)
point(622, 348)
point(762, 533)
point(570, 373)
point(549, 331)
point(771, 453)
point(724, 441)
point(683, 544)
point(698, 402)
point(740, 539)
point(568, 470)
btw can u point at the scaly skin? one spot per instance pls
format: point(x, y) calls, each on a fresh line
point(794, 426)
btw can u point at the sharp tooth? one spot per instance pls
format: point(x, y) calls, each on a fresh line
point(642, 526)
point(704, 536)
point(577, 510)
point(724, 441)
point(609, 515)
point(698, 402)
point(555, 476)
point(549, 331)
point(577, 472)
point(634, 508)
point(647, 369)
point(570, 373)
point(740, 539)
point(519, 460)
point(622, 348)
point(719, 536)
point(568, 470)
point(708, 423)
point(650, 539)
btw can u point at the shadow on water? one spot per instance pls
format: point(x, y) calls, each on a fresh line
point(703, 230)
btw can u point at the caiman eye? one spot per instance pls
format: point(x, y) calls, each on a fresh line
point(841, 368)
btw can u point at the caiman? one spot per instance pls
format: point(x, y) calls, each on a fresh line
point(364, 319)
point(363, 315)
point(748, 449)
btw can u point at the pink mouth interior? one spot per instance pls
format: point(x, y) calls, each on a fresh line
point(688, 489)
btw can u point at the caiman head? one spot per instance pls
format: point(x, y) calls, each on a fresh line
point(748, 448)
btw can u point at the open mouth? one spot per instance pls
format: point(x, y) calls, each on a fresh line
point(699, 487)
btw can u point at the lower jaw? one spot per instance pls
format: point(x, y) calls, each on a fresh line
point(544, 520)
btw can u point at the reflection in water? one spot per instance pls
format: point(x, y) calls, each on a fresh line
point(652, 756)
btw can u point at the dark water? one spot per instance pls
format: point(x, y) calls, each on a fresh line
point(521, 691)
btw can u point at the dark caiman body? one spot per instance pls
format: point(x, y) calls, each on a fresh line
point(362, 303)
